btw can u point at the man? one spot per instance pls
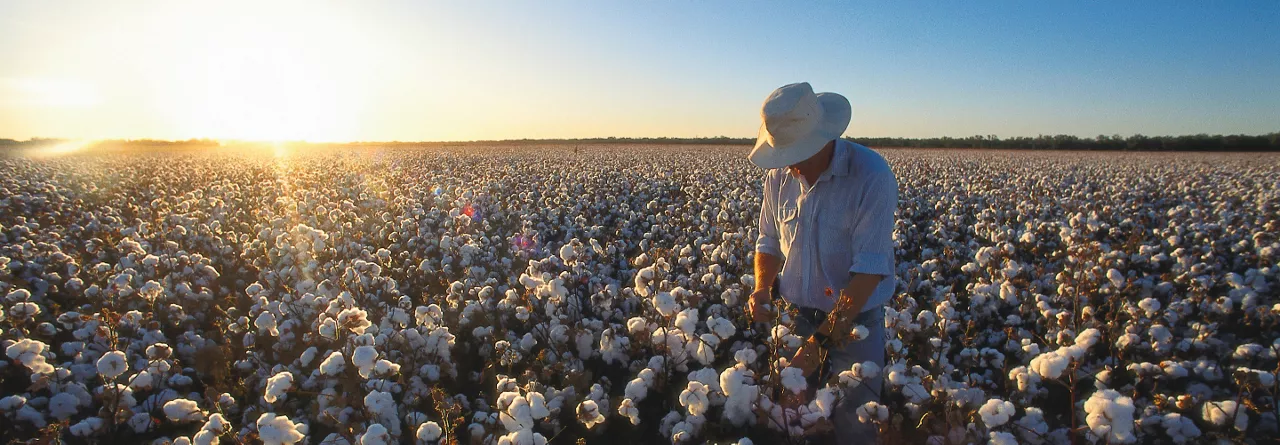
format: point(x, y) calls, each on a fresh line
point(826, 239)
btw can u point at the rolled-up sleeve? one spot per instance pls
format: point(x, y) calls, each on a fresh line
point(873, 228)
point(768, 240)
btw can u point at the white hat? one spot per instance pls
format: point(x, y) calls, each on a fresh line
point(797, 124)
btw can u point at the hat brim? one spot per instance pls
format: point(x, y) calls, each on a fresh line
point(836, 114)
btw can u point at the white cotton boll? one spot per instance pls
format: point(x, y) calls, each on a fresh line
point(183, 410)
point(665, 304)
point(996, 412)
point(333, 364)
point(87, 427)
point(1224, 413)
point(376, 434)
point(703, 348)
point(112, 364)
point(637, 388)
point(12, 403)
point(745, 356)
point(25, 310)
point(386, 367)
point(872, 412)
point(1110, 416)
point(1050, 365)
point(793, 379)
point(694, 398)
point(1179, 428)
point(1116, 278)
point(721, 327)
point(159, 351)
point(429, 432)
point(636, 326)
point(277, 386)
point(364, 358)
point(266, 324)
point(628, 409)
point(860, 332)
point(278, 430)
point(1032, 426)
point(687, 320)
point(518, 414)
point(1002, 438)
point(63, 405)
point(589, 414)
point(354, 319)
point(537, 405)
point(140, 422)
point(1150, 306)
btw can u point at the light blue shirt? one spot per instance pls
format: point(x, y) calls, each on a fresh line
point(842, 223)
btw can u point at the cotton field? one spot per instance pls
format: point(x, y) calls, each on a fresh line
point(558, 294)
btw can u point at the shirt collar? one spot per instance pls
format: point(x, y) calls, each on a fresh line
point(839, 162)
point(841, 159)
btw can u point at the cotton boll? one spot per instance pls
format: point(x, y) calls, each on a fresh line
point(333, 364)
point(1179, 428)
point(872, 412)
point(793, 379)
point(589, 414)
point(1110, 416)
point(1224, 413)
point(182, 410)
point(637, 388)
point(112, 364)
point(1002, 438)
point(694, 398)
point(429, 432)
point(278, 430)
point(364, 358)
point(88, 427)
point(627, 408)
point(996, 412)
point(277, 386)
point(63, 405)
point(376, 434)
point(266, 324)
point(721, 327)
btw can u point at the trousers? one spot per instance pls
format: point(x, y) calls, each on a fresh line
point(848, 430)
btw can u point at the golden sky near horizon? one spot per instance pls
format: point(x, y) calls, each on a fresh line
point(282, 72)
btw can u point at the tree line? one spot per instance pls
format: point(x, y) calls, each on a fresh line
point(1137, 142)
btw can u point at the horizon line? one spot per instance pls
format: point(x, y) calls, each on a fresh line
point(603, 139)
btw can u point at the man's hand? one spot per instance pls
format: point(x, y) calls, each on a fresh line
point(758, 306)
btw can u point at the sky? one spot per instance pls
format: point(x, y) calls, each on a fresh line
point(424, 70)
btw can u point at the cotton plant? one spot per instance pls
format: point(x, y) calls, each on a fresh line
point(364, 292)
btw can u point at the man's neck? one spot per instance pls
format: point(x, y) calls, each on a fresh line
point(818, 170)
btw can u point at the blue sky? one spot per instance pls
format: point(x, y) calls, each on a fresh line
point(412, 70)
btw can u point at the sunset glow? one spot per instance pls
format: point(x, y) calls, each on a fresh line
point(413, 71)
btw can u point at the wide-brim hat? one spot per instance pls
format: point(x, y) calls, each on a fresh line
point(797, 123)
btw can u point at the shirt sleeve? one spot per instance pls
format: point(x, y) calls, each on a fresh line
point(768, 240)
point(873, 227)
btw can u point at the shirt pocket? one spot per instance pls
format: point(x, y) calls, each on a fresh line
point(835, 240)
point(788, 225)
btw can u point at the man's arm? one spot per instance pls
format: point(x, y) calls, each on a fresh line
point(767, 268)
point(768, 256)
point(872, 254)
point(853, 298)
